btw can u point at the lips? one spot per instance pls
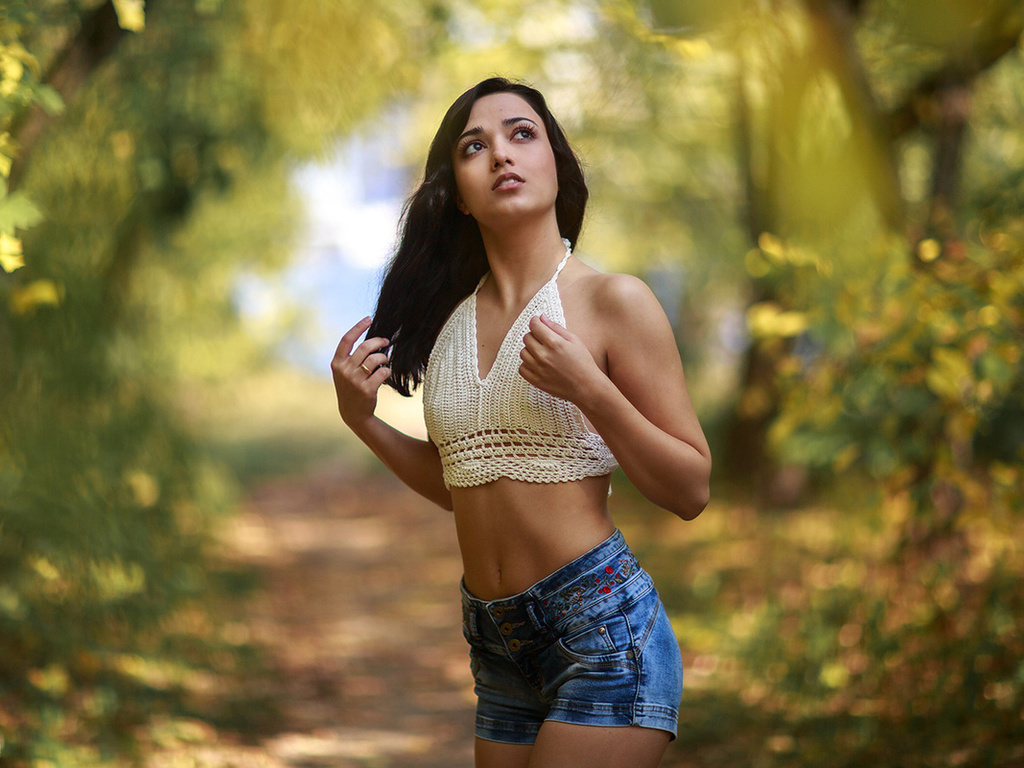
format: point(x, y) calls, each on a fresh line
point(506, 179)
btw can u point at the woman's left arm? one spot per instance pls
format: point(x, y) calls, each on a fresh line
point(641, 407)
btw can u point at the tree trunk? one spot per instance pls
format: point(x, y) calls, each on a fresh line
point(953, 106)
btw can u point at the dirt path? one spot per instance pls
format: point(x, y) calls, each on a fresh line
point(360, 609)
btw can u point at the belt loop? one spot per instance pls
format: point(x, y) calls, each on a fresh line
point(535, 611)
point(469, 610)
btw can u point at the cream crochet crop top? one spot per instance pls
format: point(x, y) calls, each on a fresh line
point(502, 426)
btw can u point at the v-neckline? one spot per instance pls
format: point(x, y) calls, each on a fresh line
point(474, 341)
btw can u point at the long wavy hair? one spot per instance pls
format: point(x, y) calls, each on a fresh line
point(440, 255)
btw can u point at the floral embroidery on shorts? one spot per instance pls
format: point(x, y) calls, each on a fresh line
point(599, 582)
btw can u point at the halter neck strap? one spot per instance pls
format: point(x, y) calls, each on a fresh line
point(565, 259)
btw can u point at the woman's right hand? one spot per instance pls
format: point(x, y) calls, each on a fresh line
point(358, 374)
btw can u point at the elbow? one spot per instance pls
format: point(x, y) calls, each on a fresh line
point(694, 500)
point(696, 505)
point(692, 506)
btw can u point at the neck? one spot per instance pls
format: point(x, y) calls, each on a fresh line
point(522, 260)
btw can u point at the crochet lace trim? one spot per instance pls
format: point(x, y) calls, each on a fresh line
point(486, 455)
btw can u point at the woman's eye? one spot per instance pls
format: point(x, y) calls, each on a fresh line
point(472, 148)
point(523, 132)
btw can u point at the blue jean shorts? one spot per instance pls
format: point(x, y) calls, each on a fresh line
point(590, 644)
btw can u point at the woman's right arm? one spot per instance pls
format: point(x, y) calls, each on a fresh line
point(415, 462)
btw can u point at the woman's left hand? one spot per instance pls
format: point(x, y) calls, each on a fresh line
point(556, 360)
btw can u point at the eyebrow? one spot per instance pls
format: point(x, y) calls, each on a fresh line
point(477, 130)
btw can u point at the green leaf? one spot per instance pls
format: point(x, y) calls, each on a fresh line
point(48, 98)
point(17, 211)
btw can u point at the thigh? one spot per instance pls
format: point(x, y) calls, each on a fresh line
point(561, 744)
point(495, 754)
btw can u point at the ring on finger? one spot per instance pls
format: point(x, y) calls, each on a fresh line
point(368, 371)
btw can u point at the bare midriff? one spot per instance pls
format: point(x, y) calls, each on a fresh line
point(512, 534)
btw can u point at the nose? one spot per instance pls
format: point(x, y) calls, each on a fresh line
point(500, 155)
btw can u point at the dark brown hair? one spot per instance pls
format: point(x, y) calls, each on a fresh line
point(440, 255)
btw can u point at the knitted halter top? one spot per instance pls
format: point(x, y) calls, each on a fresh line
point(500, 425)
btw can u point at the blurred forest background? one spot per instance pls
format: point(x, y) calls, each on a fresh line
point(828, 196)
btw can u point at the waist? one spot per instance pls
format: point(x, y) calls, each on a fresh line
point(577, 590)
point(511, 533)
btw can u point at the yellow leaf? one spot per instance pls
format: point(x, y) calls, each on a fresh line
point(11, 68)
point(116, 580)
point(131, 14)
point(1004, 474)
point(989, 316)
point(767, 320)
point(834, 675)
point(770, 244)
point(52, 679)
point(928, 250)
point(697, 48)
point(949, 374)
point(144, 488)
point(46, 569)
point(10, 253)
point(36, 293)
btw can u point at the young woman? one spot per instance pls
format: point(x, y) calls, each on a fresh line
point(540, 376)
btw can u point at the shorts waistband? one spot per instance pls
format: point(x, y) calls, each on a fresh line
point(579, 584)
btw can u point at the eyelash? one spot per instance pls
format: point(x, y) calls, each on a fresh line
point(529, 130)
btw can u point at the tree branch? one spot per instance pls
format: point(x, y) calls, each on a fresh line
point(914, 111)
point(832, 22)
point(95, 40)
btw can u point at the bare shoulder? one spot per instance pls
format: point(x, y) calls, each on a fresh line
point(624, 292)
point(617, 299)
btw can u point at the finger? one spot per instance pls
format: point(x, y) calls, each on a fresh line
point(367, 348)
point(349, 339)
point(533, 351)
point(544, 335)
point(560, 330)
point(372, 362)
point(527, 373)
point(378, 377)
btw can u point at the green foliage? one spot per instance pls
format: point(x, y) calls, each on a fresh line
point(20, 89)
point(894, 634)
point(105, 508)
point(811, 637)
point(900, 368)
point(894, 362)
point(166, 176)
point(908, 366)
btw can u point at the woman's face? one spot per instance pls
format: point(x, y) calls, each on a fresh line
point(504, 165)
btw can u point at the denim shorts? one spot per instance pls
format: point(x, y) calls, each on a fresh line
point(590, 644)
